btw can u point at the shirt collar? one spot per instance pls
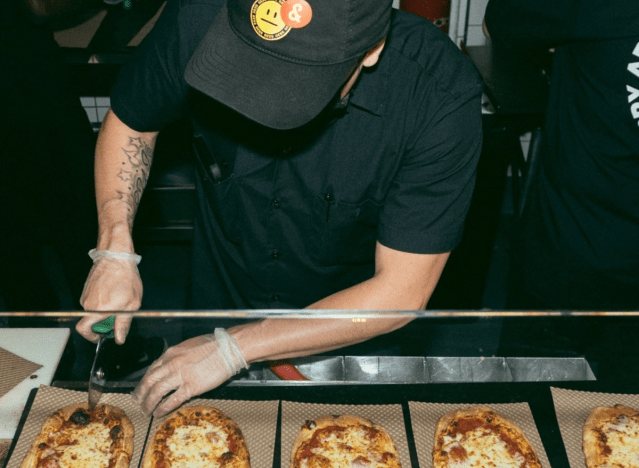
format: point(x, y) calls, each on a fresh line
point(371, 90)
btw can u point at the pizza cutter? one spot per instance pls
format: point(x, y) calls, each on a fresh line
point(97, 379)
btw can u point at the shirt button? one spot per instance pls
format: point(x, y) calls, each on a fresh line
point(275, 297)
point(276, 203)
point(275, 255)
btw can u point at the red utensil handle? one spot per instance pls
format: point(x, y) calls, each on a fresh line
point(286, 371)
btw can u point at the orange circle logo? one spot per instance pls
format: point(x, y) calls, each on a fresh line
point(296, 13)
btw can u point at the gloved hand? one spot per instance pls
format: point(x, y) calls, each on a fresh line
point(112, 284)
point(120, 327)
point(193, 367)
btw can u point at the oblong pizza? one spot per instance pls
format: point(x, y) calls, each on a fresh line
point(197, 437)
point(74, 437)
point(480, 437)
point(344, 441)
point(611, 437)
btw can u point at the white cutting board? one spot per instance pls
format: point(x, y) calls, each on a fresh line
point(40, 345)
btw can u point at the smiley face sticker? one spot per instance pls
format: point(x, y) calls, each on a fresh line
point(266, 19)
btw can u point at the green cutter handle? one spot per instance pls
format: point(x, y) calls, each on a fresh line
point(105, 326)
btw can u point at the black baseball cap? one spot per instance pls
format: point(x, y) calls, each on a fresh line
point(280, 62)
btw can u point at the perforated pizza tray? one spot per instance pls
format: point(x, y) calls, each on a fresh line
point(48, 400)
point(424, 417)
point(573, 408)
point(391, 417)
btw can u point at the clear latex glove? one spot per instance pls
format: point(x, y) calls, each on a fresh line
point(191, 368)
point(112, 284)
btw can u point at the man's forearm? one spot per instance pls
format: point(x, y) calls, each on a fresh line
point(286, 338)
point(273, 339)
point(122, 165)
point(402, 282)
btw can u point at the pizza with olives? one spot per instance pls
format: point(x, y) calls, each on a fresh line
point(344, 441)
point(74, 437)
point(197, 437)
point(480, 437)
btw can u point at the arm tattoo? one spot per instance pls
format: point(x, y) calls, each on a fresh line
point(139, 154)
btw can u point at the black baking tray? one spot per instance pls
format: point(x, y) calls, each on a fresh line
point(537, 395)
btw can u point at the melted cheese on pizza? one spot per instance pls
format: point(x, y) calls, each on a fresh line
point(481, 448)
point(196, 446)
point(623, 440)
point(85, 446)
point(346, 448)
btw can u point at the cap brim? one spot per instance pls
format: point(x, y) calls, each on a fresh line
point(269, 90)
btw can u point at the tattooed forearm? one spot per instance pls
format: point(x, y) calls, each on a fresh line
point(135, 168)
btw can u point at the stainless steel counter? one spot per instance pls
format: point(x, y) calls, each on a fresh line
point(354, 370)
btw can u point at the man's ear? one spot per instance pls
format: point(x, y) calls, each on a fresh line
point(373, 55)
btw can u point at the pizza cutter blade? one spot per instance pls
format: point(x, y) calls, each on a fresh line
point(97, 379)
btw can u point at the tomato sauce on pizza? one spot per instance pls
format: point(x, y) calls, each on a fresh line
point(197, 437)
point(344, 441)
point(611, 437)
point(479, 437)
point(74, 437)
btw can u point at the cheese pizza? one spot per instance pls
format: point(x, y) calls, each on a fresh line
point(611, 437)
point(74, 437)
point(197, 437)
point(344, 441)
point(479, 437)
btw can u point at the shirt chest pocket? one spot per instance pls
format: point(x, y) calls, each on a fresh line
point(220, 188)
point(344, 233)
point(223, 197)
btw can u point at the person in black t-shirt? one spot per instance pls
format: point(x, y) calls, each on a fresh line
point(577, 243)
point(336, 146)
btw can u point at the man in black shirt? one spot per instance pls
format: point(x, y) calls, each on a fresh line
point(336, 146)
point(577, 243)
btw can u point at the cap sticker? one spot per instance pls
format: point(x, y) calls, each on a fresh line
point(296, 13)
point(267, 21)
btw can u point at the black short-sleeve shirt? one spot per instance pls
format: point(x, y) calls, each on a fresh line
point(578, 246)
point(293, 216)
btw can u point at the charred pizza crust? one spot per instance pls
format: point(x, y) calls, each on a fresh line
point(199, 436)
point(59, 443)
point(454, 446)
point(606, 428)
point(346, 440)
